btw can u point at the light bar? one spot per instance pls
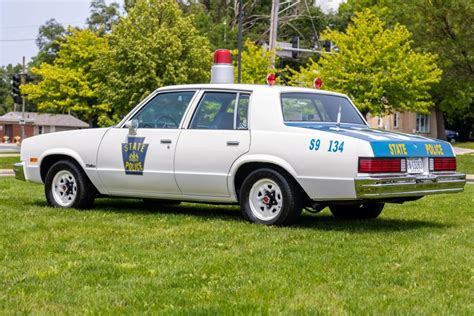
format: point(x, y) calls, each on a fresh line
point(382, 165)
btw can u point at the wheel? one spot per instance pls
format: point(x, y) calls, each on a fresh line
point(67, 186)
point(267, 197)
point(357, 211)
point(153, 203)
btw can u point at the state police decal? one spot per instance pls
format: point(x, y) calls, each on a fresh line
point(134, 154)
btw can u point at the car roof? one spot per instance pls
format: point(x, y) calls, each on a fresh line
point(250, 87)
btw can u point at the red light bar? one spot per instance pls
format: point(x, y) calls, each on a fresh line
point(380, 165)
point(445, 164)
point(222, 56)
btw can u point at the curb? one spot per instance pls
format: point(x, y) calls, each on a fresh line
point(469, 178)
point(6, 173)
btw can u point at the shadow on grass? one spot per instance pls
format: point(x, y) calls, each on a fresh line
point(322, 221)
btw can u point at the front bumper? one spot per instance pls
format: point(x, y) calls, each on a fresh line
point(19, 170)
point(377, 187)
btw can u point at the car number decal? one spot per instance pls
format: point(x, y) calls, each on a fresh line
point(134, 154)
point(334, 145)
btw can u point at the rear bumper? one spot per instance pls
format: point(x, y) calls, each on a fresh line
point(19, 170)
point(376, 187)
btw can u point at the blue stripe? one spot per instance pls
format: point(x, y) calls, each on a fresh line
point(392, 146)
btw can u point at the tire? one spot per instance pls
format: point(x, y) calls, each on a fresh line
point(154, 203)
point(267, 197)
point(67, 186)
point(357, 211)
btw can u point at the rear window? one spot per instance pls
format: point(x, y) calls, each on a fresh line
point(312, 107)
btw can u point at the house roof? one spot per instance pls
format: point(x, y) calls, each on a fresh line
point(45, 119)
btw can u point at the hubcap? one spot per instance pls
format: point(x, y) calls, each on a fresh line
point(265, 199)
point(64, 188)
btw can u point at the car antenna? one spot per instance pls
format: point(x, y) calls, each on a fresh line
point(338, 122)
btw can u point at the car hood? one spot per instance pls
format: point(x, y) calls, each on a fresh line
point(386, 143)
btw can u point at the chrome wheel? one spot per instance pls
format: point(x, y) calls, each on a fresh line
point(64, 188)
point(265, 199)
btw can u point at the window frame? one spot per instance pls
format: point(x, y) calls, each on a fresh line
point(427, 125)
point(131, 115)
point(362, 118)
point(396, 120)
point(200, 97)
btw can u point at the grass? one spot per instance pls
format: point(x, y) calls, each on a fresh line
point(7, 162)
point(469, 145)
point(121, 257)
point(465, 163)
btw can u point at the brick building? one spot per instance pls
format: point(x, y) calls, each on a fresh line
point(37, 123)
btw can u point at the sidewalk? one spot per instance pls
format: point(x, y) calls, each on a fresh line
point(462, 151)
point(6, 173)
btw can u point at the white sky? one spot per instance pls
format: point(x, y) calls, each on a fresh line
point(20, 20)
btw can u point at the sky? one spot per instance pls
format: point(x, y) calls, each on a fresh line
point(20, 20)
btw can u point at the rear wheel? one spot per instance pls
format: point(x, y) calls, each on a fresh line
point(67, 186)
point(267, 197)
point(357, 211)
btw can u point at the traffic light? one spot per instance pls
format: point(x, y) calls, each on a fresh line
point(295, 43)
point(327, 46)
point(16, 94)
point(29, 78)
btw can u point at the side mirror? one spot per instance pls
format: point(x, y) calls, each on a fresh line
point(132, 126)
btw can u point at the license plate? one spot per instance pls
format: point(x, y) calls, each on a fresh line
point(415, 165)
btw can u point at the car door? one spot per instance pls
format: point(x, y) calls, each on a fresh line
point(216, 136)
point(139, 161)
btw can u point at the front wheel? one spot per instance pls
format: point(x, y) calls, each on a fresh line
point(357, 211)
point(267, 197)
point(67, 186)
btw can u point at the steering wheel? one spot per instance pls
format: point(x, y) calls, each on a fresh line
point(169, 118)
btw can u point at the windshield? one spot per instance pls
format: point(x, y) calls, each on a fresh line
point(312, 107)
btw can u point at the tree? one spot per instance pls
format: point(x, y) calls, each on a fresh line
point(48, 41)
point(103, 16)
point(154, 46)
point(376, 66)
point(256, 63)
point(70, 83)
point(440, 27)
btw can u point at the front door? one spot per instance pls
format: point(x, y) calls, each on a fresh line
point(217, 135)
point(140, 162)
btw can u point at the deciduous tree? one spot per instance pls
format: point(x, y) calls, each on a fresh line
point(376, 66)
point(70, 83)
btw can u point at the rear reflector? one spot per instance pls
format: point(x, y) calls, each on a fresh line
point(382, 165)
point(442, 164)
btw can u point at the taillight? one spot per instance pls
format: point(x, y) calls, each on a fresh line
point(382, 165)
point(442, 164)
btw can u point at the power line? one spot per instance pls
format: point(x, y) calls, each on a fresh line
point(38, 25)
point(18, 40)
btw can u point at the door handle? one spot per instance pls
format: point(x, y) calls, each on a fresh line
point(165, 141)
point(233, 143)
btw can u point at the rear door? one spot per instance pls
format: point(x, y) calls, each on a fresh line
point(216, 136)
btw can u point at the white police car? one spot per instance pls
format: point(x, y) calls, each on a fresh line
point(272, 149)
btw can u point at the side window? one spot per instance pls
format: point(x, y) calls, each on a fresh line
point(165, 110)
point(242, 112)
point(215, 111)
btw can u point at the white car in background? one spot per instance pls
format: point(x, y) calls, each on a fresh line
point(272, 149)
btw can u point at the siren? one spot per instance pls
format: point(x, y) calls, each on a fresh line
point(222, 70)
point(317, 83)
point(271, 79)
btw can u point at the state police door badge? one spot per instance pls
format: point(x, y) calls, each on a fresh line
point(134, 154)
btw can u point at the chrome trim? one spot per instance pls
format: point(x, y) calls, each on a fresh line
point(19, 170)
point(375, 187)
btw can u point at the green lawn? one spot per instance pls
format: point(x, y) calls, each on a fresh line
point(123, 258)
point(465, 163)
point(469, 145)
point(7, 162)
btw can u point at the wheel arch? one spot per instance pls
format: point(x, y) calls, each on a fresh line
point(243, 168)
point(51, 157)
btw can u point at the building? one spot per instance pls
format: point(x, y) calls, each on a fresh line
point(407, 122)
point(35, 124)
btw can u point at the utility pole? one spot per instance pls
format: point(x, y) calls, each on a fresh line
point(239, 42)
point(274, 29)
point(23, 122)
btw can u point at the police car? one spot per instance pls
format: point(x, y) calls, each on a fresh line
point(272, 149)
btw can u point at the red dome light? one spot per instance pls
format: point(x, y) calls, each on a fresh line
point(317, 83)
point(271, 79)
point(222, 56)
